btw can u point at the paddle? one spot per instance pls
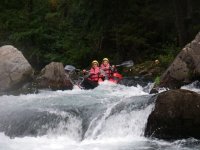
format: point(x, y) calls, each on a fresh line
point(126, 64)
point(71, 68)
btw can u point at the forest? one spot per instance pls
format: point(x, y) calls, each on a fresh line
point(78, 31)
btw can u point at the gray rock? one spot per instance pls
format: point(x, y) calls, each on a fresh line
point(53, 76)
point(176, 115)
point(15, 70)
point(185, 68)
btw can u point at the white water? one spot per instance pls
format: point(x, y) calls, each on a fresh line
point(192, 87)
point(110, 117)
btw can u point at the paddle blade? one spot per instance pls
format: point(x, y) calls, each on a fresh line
point(69, 68)
point(126, 64)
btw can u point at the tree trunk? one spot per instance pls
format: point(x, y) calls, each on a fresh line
point(180, 8)
point(30, 6)
point(189, 9)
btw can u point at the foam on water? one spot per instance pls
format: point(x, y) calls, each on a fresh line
point(64, 143)
point(195, 86)
point(109, 117)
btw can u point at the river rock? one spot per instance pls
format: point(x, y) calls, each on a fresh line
point(53, 76)
point(148, 70)
point(185, 68)
point(15, 70)
point(176, 115)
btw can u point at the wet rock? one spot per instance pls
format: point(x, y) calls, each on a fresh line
point(143, 72)
point(153, 90)
point(185, 68)
point(15, 70)
point(134, 81)
point(53, 76)
point(30, 123)
point(27, 88)
point(148, 70)
point(176, 115)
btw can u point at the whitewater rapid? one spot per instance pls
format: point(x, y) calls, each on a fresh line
point(109, 117)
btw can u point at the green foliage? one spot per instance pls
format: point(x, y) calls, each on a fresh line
point(165, 60)
point(169, 54)
point(157, 81)
point(76, 31)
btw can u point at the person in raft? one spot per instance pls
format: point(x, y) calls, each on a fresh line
point(107, 69)
point(94, 73)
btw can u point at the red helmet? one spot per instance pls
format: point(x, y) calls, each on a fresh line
point(117, 75)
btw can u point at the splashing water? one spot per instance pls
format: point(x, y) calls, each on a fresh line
point(109, 117)
point(195, 86)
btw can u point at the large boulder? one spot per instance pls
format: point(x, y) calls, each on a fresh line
point(53, 76)
point(176, 115)
point(15, 70)
point(185, 67)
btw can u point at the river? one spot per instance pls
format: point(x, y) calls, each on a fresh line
point(109, 117)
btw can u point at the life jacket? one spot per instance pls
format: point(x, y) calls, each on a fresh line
point(94, 74)
point(107, 70)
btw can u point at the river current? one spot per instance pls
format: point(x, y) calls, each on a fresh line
point(109, 117)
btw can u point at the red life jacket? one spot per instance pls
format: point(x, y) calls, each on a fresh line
point(94, 74)
point(107, 70)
